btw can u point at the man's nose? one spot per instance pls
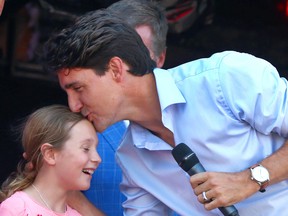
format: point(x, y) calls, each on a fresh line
point(74, 104)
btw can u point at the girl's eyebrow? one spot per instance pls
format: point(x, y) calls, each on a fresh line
point(88, 140)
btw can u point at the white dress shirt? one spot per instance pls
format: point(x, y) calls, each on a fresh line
point(231, 110)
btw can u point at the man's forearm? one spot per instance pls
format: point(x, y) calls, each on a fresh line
point(277, 164)
point(78, 201)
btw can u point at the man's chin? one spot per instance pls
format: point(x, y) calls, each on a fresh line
point(98, 128)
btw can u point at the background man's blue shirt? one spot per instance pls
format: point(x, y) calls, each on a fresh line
point(104, 191)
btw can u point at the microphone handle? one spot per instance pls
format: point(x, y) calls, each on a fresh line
point(229, 211)
point(226, 211)
point(197, 168)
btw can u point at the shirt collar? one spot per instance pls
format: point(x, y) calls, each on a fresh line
point(169, 94)
point(143, 138)
point(167, 90)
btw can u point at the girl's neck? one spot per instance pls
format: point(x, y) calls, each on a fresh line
point(48, 197)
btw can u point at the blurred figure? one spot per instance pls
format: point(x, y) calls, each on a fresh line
point(2, 2)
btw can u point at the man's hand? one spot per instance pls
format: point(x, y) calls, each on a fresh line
point(224, 189)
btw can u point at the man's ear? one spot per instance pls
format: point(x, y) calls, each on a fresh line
point(116, 66)
point(161, 59)
point(48, 153)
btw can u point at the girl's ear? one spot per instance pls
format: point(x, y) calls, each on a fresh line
point(48, 153)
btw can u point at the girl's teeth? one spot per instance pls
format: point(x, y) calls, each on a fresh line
point(90, 172)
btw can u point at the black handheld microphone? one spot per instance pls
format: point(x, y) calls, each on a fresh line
point(189, 162)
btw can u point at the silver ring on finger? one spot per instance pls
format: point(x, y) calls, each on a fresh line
point(205, 197)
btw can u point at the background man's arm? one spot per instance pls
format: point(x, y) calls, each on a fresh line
point(78, 201)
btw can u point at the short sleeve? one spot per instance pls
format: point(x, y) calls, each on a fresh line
point(13, 206)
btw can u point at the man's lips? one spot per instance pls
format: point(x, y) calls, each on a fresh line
point(89, 117)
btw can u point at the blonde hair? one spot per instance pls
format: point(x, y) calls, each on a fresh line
point(50, 124)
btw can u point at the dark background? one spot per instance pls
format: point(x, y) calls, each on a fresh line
point(258, 27)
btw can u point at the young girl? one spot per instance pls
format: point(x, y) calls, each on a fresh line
point(61, 156)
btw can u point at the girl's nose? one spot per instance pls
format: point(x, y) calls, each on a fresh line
point(96, 157)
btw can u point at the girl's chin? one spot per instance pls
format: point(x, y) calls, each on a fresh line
point(85, 187)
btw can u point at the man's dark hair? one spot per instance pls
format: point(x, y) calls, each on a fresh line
point(92, 41)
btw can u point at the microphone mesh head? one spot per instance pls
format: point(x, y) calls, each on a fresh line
point(184, 156)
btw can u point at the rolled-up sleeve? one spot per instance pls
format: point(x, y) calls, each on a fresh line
point(255, 92)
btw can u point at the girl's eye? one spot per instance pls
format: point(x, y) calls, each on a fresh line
point(86, 149)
